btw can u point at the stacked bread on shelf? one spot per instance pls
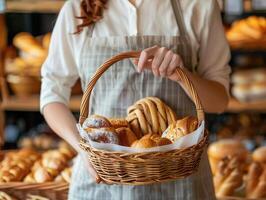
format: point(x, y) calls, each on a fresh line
point(150, 123)
point(236, 172)
point(23, 71)
point(251, 29)
point(51, 164)
point(16, 165)
point(32, 53)
point(32, 167)
point(249, 85)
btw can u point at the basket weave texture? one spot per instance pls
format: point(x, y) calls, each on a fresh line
point(147, 167)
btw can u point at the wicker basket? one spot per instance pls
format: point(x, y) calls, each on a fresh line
point(24, 85)
point(142, 168)
point(20, 190)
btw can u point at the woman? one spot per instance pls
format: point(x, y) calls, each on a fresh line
point(171, 33)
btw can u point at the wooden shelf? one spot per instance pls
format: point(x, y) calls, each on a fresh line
point(32, 104)
point(236, 106)
point(40, 6)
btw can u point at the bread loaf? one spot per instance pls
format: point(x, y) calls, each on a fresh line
point(256, 181)
point(226, 147)
point(229, 176)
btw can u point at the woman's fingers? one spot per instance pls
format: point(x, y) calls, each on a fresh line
point(162, 61)
point(166, 63)
point(92, 172)
point(90, 168)
point(145, 55)
point(158, 59)
point(176, 61)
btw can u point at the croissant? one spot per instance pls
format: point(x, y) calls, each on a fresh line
point(16, 166)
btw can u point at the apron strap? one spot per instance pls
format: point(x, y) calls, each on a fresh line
point(187, 50)
point(90, 30)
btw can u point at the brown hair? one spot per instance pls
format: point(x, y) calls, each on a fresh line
point(91, 12)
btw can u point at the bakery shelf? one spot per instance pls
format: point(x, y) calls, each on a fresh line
point(32, 103)
point(236, 106)
point(45, 6)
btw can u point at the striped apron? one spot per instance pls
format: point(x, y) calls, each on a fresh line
point(119, 88)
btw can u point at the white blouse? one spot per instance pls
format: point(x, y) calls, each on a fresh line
point(211, 52)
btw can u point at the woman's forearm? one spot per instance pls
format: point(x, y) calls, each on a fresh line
point(62, 121)
point(212, 94)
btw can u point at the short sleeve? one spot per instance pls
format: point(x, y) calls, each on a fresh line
point(59, 71)
point(214, 51)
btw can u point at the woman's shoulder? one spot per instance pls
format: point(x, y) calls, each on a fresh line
point(68, 15)
point(72, 7)
point(201, 6)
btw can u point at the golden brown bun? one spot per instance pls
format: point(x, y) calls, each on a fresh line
point(41, 175)
point(96, 121)
point(27, 43)
point(259, 155)
point(223, 148)
point(29, 178)
point(144, 143)
point(151, 140)
point(241, 91)
point(118, 123)
point(126, 136)
point(46, 40)
point(181, 128)
point(158, 139)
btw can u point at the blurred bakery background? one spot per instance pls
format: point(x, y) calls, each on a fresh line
point(25, 31)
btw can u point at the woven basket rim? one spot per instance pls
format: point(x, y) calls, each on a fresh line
point(33, 186)
point(199, 144)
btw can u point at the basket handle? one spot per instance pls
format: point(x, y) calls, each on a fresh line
point(84, 107)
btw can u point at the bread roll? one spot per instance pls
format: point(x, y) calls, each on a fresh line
point(103, 135)
point(181, 128)
point(242, 91)
point(151, 140)
point(41, 175)
point(96, 121)
point(226, 147)
point(118, 123)
point(126, 136)
point(258, 88)
point(242, 77)
point(144, 143)
point(158, 139)
point(259, 155)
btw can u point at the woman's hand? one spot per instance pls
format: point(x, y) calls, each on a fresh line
point(89, 167)
point(162, 61)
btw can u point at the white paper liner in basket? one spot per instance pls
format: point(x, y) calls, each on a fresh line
point(183, 142)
